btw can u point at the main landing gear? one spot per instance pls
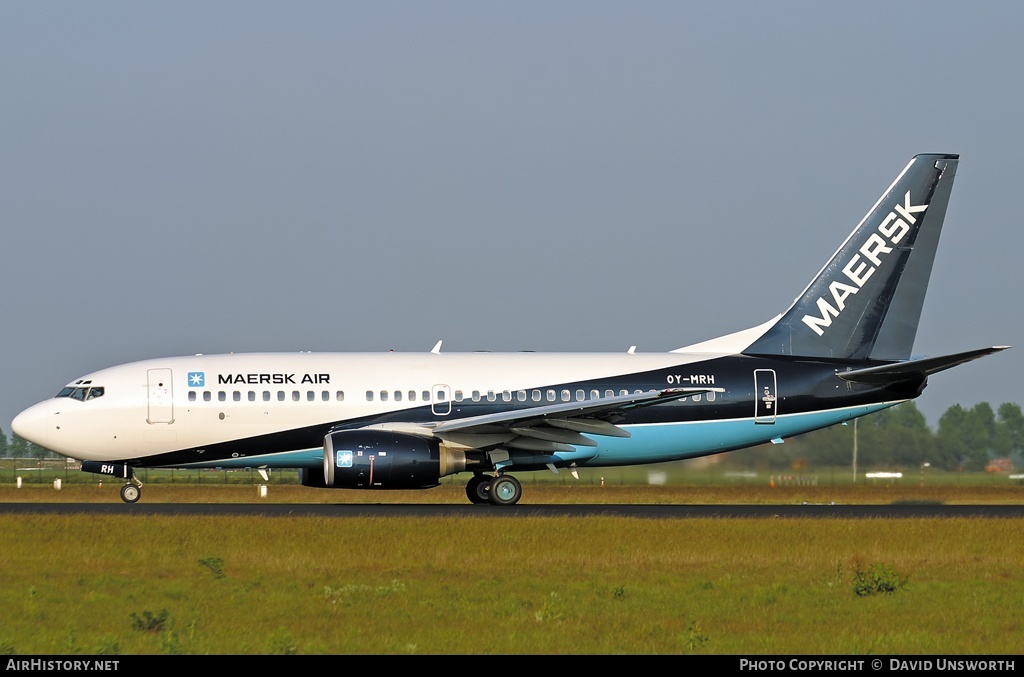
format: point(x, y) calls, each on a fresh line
point(496, 489)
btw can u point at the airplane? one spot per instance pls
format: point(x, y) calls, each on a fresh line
point(379, 421)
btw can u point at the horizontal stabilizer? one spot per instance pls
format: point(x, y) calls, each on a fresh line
point(914, 369)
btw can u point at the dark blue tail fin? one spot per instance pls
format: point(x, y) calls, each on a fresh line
point(866, 301)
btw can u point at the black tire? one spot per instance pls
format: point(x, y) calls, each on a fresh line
point(130, 493)
point(478, 489)
point(505, 490)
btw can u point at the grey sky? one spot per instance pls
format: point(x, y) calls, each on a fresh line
point(186, 177)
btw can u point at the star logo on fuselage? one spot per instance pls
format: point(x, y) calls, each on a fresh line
point(196, 379)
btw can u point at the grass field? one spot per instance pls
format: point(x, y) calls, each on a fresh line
point(607, 585)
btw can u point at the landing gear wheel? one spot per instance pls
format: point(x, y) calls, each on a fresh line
point(505, 490)
point(130, 493)
point(478, 489)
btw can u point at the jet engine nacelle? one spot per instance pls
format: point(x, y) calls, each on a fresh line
point(380, 459)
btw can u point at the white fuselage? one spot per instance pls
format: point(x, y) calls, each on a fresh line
point(153, 406)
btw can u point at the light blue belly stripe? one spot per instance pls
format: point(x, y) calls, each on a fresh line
point(304, 458)
point(657, 443)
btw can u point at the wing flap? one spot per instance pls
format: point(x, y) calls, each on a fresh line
point(592, 426)
point(558, 435)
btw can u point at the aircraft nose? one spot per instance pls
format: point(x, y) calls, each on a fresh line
point(33, 424)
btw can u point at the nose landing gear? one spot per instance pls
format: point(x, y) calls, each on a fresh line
point(131, 491)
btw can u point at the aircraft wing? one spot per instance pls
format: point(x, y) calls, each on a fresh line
point(563, 422)
point(914, 369)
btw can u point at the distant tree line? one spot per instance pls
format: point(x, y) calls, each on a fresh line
point(19, 447)
point(899, 437)
point(966, 439)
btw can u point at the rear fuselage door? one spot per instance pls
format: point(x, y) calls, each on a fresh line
point(766, 396)
point(161, 401)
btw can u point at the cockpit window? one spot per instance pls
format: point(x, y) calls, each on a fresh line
point(81, 392)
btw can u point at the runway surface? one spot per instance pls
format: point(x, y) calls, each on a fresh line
point(760, 511)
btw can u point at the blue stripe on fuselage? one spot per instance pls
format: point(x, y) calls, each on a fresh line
point(661, 442)
point(303, 458)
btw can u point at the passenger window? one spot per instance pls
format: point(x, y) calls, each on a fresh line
point(383, 396)
point(536, 395)
point(476, 395)
point(609, 393)
point(325, 396)
point(295, 396)
point(412, 395)
point(595, 394)
point(711, 396)
point(551, 396)
point(458, 395)
point(506, 396)
point(581, 395)
point(369, 396)
point(398, 396)
point(236, 396)
point(222, 396)
point(252, 395)
point(340, 396)
point(426, 395)
point(566, 396)
point(310, 396)
point(521, 395)
point(191, 396)
point(207, 396)
point(696, 397)
point(280, 396)
point(266, 395)
point(491, 397)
